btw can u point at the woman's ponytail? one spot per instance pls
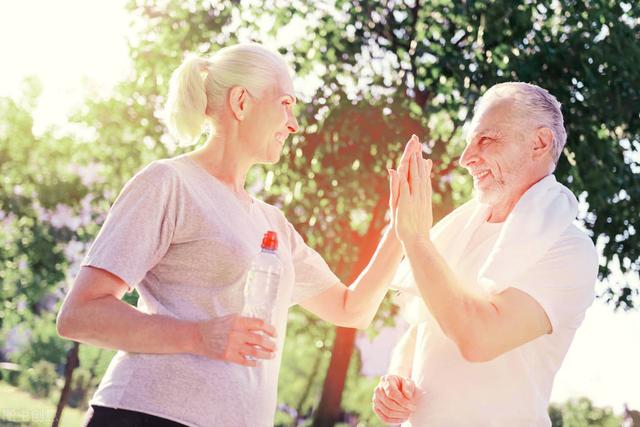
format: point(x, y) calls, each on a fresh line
point(192, 94)
point(185, 110)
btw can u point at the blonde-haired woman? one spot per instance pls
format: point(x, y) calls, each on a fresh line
point(183, 232)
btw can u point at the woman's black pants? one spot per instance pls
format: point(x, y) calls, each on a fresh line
point(102, 416)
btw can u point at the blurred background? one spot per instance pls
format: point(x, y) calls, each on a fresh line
point(81, 86)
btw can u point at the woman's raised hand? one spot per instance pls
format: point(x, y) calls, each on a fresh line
point(413, 146)
point(411, 195)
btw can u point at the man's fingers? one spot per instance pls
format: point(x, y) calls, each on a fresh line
point(383, 397)
point(386, 419)
point(391, 395)
point(422, 167)
point(414, 173)
point(390, 408)
point(408, 388)
point(428, 168)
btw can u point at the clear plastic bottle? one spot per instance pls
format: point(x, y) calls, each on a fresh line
point(263, 279)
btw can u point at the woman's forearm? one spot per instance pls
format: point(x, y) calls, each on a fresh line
point(111, 323)
point(365, 294)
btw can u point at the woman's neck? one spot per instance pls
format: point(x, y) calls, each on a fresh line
point(224, 159)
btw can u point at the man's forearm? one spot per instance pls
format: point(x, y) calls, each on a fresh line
point(111, 323)
point(402, 356)
point(364, 295)
point(461, 314)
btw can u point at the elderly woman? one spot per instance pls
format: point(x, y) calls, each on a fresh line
point(183, 232)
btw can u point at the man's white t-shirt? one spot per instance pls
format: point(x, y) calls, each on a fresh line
point(514, 388)
point(185, 242)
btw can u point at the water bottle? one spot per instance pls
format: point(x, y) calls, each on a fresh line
point(261, 286)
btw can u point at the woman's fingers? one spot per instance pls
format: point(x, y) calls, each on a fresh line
point(259, 340)
point(255, 352)
point(253, 323)
point(394, 187)
point(412, 146)
point(403, 167)
point(403, 190)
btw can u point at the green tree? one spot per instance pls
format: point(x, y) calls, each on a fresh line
point(582, 413)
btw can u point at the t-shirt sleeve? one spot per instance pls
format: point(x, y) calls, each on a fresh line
point(312, 274)
point(563, 281)
point(139, 226)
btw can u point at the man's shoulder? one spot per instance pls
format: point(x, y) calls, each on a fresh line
point(576, 241)
point(573, 256)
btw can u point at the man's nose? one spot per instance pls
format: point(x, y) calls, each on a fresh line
point(468, 156)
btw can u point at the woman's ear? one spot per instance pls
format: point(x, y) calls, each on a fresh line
point(238, 102)
point(543, 143)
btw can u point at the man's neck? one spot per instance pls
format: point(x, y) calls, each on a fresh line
point(500, 211)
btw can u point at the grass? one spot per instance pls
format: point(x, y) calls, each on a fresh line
point(19, 408)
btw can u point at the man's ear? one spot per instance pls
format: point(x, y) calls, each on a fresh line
point(543, 143)
point(238, 102)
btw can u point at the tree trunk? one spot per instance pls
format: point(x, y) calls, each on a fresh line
point(305, 393)
point(72, 363)
point(329, 411)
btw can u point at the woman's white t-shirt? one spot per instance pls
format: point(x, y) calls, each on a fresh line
point(185, 242)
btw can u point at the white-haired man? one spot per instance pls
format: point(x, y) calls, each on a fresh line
point(497, 288)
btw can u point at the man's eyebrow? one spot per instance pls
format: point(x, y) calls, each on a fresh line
point(487, 132)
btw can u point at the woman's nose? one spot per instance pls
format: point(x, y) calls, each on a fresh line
point(293, 124)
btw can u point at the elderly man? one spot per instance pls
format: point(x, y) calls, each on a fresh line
point(497, 289)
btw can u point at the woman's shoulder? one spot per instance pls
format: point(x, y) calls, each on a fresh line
point(159, 177)
point(159, 171)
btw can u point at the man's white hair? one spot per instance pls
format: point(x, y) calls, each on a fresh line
point(536, 104)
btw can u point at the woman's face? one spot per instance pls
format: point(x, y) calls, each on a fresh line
point(270, 120)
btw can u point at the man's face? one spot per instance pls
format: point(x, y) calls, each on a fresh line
point(498, 152)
